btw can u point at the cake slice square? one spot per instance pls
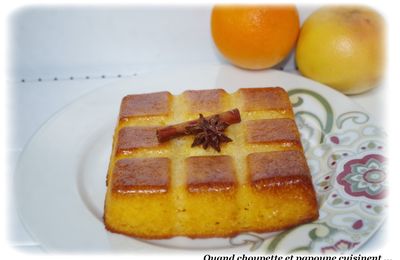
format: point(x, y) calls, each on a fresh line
point(259, 99)
point(210, 173)
point(272, 131)
point(131, 138)
point(153, 104)
point(140, 199)
point(141, 175)
point(280, 191)
point(210, 200)
point(209, 100)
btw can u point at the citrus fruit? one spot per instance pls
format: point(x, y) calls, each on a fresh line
point(342, 46)
point(254, 36)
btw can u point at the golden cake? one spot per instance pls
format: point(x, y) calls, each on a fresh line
point(259, 181)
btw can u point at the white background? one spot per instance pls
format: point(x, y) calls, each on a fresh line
point(59, 53)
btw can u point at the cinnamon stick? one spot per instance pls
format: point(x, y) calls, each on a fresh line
point(169, 132)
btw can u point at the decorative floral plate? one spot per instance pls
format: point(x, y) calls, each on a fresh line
point(345, 152)
point(60, 179)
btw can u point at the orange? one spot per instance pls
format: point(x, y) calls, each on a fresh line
point(255, 36)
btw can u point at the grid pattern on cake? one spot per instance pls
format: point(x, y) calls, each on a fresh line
point(130, 138)
point(153, 104)
point(208, 100)
point(267, 127)
point(141, 175)
point(210, 173)
point(271, 130)
point(279, 164)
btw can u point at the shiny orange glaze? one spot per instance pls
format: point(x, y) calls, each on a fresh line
point(256, 99)
point(265, 167)
point(145, 105)
point(141, 175)
point(130, 138)
point(210, 173)
point(272, 130)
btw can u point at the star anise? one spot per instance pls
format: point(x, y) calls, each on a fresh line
point(209, 132)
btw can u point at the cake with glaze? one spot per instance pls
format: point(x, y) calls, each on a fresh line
point(258, 182)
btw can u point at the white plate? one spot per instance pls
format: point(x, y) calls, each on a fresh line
point(60, 178)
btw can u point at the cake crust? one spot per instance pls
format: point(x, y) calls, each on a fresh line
point(272, 130)
point(259, 182)
point(141, 175)
point(210, 174)
point(258, 99)
point(130, 138)
point(152, 104)
point(200, 101)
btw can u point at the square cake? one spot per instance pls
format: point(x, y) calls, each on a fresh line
point(259, 180)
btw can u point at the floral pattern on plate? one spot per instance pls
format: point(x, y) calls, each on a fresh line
point(345, 153)
point(364, 177)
